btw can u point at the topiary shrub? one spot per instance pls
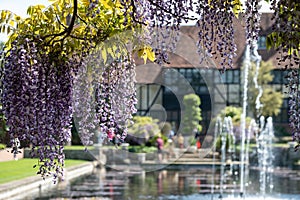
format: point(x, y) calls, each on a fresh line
point(192, 114)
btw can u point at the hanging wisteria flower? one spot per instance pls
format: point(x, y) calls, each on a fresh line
point(162, 19)
point(216, 33)
point(166, 17)
point(294, 104)
point(104, 96)
point(252, 19)
point(37, 91)
point(84, 105)
point(286, 38)
point(116, 98)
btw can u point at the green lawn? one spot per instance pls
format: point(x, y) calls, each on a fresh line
point(15, 170)
point(78, 147)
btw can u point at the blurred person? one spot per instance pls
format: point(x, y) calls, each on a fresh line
point(180, 141)
point(160, 146)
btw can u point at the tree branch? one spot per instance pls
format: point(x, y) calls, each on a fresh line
point(82, 20)
point(134, 11)
point(60, 21)
point(67, 31)
point(70, 28)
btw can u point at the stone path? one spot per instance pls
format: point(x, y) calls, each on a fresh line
point(6, 155)
point(199, 157)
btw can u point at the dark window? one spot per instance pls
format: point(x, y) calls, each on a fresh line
point(231, 76)
point(170, 101)
point(236, 76)
point(277, 77)
point(202, 90)
point(261, 42)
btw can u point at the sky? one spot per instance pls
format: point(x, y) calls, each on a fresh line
point(19, 7)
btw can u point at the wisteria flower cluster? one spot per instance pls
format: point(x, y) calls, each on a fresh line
point(286, 23)
point(294, 103)
point(163, 19)
point(105, 98)
point(37, 91)
point(252, 19)
point(116, 98)
point(216, 33)
point(84, 114)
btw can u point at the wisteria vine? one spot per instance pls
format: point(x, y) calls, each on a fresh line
point(286, 38)
point(37, 91)
point(105, 98)
point(116, 99)
point(216, 32)
point(163, 19)
point(294, 103)
point(252, 19)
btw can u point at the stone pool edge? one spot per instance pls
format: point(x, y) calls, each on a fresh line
point(36, 185)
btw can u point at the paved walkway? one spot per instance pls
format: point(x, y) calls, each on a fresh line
point(6, 155)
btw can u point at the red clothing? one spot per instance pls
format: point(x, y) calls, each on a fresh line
point(110, 134)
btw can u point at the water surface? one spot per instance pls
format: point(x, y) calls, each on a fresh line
point(184, 184)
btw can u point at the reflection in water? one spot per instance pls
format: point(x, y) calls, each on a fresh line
point(167, 184)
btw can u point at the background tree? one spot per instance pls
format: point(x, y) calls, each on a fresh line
point(271, 100)
point(233, 112)
point(192, 114)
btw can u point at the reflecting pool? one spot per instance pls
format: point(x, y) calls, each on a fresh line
point(184, 184)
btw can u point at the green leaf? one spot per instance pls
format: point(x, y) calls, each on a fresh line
point(269, 42)
point(146, 53)
point(150, 54)
point(29, 10)
point(237, 8)
point(85, 2)
point(142, 54)
point(3, 29)
point(104, 55)
point(8, 30)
